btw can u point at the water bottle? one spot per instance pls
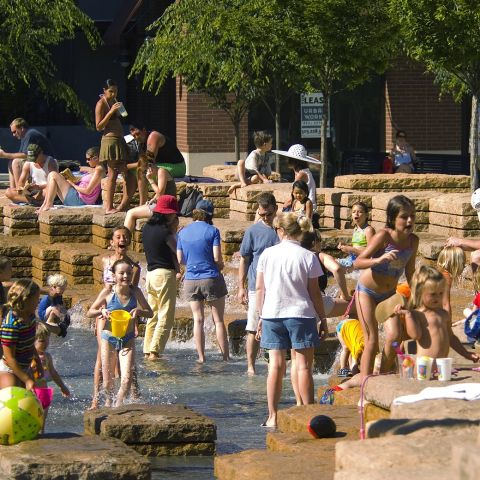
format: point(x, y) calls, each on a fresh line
point(122, 110)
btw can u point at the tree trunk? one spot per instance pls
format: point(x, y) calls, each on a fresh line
point(278, 106)
point(323, 142)
point(236, 126)
point(474, 176)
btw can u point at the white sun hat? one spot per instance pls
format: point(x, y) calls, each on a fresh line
point(299, 152)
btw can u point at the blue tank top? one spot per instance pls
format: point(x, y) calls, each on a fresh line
point(115, 304)
point(395, 268)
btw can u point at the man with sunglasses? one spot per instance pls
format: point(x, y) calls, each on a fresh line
point(257, 238)
point(27, 136)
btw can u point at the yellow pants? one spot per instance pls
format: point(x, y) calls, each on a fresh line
point(161, 288)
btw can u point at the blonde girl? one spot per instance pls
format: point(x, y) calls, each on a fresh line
point(390, 253)
point(123, 296)
point(17, 335)
point(451, 262)
point(362, 234)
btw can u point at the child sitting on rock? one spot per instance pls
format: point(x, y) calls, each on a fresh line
point(255, 169)
point(51, 309)
point(426, 321)
point(350, 336)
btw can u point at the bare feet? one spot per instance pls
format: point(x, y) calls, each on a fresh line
point(233, 188)
point(153, 356)
point(200, 360)
point(251, 372)
point(111, 210)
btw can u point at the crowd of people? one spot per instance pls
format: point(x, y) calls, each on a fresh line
point(282, 275)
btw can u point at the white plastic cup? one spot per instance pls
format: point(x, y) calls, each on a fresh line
point(444, 367)
point(406, 366)
point(122, 110)
point(424, 367)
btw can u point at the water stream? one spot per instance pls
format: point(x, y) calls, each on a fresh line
point(222, 391)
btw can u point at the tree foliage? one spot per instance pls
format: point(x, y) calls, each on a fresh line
point(28, 31)
point(445, 36)
point(346, 41)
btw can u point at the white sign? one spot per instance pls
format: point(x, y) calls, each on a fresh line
point(311, 111)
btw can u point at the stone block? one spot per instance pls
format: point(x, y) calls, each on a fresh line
point(446, 231)
point(219, 202)
point(173, 449)
point(212, 189)
point(413, 456)
point(76, 270)
point(430, 245)
point(100, 242)
point(152, 425)
point(19, 223)
point(78, 279)
point(68, 216)
point(103, 232)
point(304, 444)
point(454, 203)
point(419, 227)
point(137, 247)
point(46, 264)
point(222, 213)
point(64, 238)
point(108, 221)
point(295, 419)
point(97, 263)
point(337, 212)
point(243, 217)
point(80, 256)
point(265, 465)
point(381, 216)
point(251, 192)
point(350, 396)
point(230, 248)
point(21, 261)
point(46, 252)
point(402, 182)
point(21, 247)
point(21, 272)
point(20, 211)
point(19, 232)
point(41, 275)
point(464, 222)
point(336, 223)
point(243, 207)
point(53, 229)
point(225, 173)
point(70, 456)
point(421, 199)
point(331, 238)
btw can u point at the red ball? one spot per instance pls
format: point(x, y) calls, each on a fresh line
point(322, 426)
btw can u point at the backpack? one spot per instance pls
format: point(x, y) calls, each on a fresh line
point(188, 199)
point(472, 325)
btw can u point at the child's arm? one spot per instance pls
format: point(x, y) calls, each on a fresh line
point(309, 208)
point(412, 325)
point(217, 256)
point(11, 361)
point(410, 266)
point(446, 295)
point(98, 306)
point(365, 259)
point(56, 377)
point(338, 273)
point(317, 300)
point(172, 245)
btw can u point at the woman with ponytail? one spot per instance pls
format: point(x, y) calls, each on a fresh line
point(289, 302)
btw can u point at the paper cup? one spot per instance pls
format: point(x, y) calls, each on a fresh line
point(424, 368)
point(406, 366)
point(444, 367)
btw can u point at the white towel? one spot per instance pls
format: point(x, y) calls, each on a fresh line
point(461, 391)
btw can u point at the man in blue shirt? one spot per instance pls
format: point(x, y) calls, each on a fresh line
point(20, 130)
point(257, 238)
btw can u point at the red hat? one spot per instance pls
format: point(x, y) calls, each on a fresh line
point(166, 204)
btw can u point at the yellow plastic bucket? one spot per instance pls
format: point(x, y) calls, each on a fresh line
point(119, 320)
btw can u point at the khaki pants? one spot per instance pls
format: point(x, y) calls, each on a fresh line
point(161, 288)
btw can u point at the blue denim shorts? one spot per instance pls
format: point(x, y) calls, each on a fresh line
point(72, 199)
point(286, 333)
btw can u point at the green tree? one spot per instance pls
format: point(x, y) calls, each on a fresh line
point(445, 36)
point(344, 42)
point(28, 31)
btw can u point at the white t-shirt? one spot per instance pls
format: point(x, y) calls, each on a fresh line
point(258, 162)
point(286, 268)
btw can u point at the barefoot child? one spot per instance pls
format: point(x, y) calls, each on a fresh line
point(17, 335)
point(426, 321)
point(299, 202)
point(255, 169)
point(51, 309)
point(47, 372)
point(391, 252)
point(123, 296)
point(362, 234)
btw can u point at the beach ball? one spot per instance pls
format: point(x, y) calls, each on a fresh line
point(21, 415)
point(322, 426)
point(475, 201)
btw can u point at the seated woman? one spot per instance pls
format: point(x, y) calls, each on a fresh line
point(162, 183)
point(85, 192)
point(403, 154)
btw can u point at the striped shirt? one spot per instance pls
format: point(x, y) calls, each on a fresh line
point(20, 335)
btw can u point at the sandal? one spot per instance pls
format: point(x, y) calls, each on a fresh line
point(344, 372)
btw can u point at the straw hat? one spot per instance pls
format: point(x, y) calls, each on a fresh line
point(385, 309)
point(299, 152)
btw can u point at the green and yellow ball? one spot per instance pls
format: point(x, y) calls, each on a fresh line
point(21, 415)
